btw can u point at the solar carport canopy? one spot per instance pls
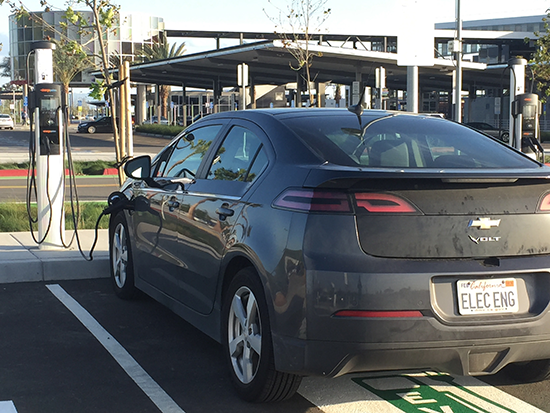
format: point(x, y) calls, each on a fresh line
point(270, 62)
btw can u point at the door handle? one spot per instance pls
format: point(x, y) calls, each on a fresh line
point(172, 204)
point(224, 212)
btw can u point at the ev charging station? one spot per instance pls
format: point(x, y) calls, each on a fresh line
point(46, 103)
point(48, 145)
point(525, 110)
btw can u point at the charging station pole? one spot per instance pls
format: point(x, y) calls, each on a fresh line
point(48, 122)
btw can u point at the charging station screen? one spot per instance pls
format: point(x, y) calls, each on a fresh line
point(49, 104)
point(49, 128)
point(529, 111)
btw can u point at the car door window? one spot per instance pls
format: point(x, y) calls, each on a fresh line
point(188, 152)
point(239, 158)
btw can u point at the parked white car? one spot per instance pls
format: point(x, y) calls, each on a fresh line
point(6, 121)
point(155, 119)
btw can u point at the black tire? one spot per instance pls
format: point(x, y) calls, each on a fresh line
point(91, 129)
point(530, 371)
point(505, 137)
point(247, 343)
point(120, 259)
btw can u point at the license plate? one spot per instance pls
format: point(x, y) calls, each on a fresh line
point(487, 296)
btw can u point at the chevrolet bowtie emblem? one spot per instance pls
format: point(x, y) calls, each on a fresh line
point(484, 223)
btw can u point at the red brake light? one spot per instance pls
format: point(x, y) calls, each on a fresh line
point(377, 314)
point(313, 200)
point(387, 203)
point(544, 204)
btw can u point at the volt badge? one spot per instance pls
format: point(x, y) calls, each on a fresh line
point(484, 223)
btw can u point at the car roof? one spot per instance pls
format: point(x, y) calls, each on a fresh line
point(279, 113)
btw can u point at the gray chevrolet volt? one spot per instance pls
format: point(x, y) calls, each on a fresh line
point(327, 241)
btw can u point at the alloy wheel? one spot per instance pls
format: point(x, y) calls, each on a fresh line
point(120, 255)
point(245, 335)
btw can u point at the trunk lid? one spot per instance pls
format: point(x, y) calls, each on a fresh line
point(458, 214)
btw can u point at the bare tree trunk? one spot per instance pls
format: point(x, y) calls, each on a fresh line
point(105, 70)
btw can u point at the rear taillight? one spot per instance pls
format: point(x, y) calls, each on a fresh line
point(544, 204)
point(377, 314)
point(383, 203)
point(309, 200)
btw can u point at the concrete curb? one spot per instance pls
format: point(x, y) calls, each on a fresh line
point(21, 259)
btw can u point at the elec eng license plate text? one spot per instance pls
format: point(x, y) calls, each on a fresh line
point(487, 296)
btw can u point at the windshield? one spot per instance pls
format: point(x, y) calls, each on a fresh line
point(403, 141)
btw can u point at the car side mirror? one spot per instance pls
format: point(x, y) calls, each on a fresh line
point(138, 168)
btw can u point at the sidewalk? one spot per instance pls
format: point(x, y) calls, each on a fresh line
point(21, 260)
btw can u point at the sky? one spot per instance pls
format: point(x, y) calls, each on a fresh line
point(355, 17)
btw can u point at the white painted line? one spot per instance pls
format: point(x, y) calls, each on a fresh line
point(150, 387)
point(7, 407)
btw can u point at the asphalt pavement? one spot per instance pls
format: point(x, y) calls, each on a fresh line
point(14, 145)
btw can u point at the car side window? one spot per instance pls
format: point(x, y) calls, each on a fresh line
point(188, 152)
point(241, 157)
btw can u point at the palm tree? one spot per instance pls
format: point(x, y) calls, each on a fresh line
point(69, 59)
point(159, 50)
point(5, 67)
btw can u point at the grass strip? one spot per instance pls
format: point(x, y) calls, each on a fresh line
point(156, 129)
point(14, 218)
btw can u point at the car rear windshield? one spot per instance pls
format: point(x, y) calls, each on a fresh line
point(402, 141)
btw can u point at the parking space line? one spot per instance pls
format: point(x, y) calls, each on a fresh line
point(150, 387)
point(7, 407)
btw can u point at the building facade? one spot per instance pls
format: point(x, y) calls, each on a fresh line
point(495, 41)
point(124, 40)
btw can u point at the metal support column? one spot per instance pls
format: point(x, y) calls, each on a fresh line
point(141, 104)
point(412, 89)
point(457, 97)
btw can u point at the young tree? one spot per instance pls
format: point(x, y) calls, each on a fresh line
point(299, 22)
point(160, 50)
point(540, 61)
point(105, 15)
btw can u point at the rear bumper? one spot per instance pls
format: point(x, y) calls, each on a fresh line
point(338, 275)
point(475, 358)
point(439, 339)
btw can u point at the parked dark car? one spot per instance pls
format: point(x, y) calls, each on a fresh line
point(102, 124)
point(322, 242)
point(501, 134)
